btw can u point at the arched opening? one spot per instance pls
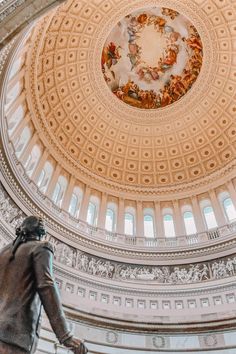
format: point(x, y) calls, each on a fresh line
point(209, 216)
point(75, 202)
point(169, 227)
point(129, 224)
point(92, 212)
point(229, 209)
point(189, 223)
point(148, 225)
point(45, 176)
point(59, 191)
point(32, 160)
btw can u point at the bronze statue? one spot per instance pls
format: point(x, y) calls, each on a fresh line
point(26, 285)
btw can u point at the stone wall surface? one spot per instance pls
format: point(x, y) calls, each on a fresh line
point(17, 14)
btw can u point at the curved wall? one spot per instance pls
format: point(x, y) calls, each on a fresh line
point(123, 294)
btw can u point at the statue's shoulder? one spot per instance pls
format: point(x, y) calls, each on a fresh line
point(47, 245)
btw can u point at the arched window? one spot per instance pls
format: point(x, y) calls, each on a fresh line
point(41, 177)
point(129, 224)
point(229, 209)
point(73, 204)
point(32, 160)
point(13, 93)
point(56, 193)
point(148, 225)
point(93, 209)
point(209, 217)
point(110, 220)
point(14, 119)
point(189, 223)
point(16, 66)
point(169, 227)
point(59, 190)
point(111, 215)
point(75, 201)
point(22, 141)
point(45, 176)
point(91, 214)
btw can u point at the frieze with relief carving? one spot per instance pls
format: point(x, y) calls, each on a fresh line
point(185, 274)
point(9, 211)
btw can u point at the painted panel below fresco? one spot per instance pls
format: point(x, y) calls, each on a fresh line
point(152, 58)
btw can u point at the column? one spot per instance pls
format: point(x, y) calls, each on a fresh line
point(68, 193)
point(232, 192)
point(220, 217)
point(28, 148)
point(84, 204)
point(178, 218)
point(40, 165)
point(120, 216)
point(159, 226)
point(102, 211)
point(139, 220)
point(20, 127)
point(52, 183)
point(198, 218)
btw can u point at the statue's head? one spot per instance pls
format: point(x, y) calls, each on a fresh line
point(32, 226)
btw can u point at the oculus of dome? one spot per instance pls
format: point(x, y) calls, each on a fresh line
point(152, 57)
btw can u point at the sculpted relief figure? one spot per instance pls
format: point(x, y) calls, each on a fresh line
point(26, 284)
point(178, 275)
point(192, 274)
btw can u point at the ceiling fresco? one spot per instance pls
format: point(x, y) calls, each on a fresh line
point(152, 57)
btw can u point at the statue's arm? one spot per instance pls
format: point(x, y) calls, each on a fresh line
point(47, 290)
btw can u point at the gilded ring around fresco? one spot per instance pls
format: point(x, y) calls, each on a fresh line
point(152, 58)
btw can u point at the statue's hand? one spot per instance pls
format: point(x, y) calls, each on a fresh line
point(75, 345)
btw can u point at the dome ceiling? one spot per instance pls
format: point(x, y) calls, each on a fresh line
point(97, 135)
point(152, 58)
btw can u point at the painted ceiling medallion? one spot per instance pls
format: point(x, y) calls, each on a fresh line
point(152, 57)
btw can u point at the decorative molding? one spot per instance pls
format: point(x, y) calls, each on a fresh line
point(111, 337)
point(8, 10)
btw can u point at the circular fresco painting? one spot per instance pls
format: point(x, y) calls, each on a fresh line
point(152, 57)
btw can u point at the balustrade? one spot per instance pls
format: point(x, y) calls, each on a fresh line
point(82, 228)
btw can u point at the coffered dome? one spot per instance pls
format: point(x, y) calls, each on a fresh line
point(100, 137)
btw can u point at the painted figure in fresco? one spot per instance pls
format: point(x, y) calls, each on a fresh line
point(110, 55)
point(169, 12)
point(26, 284)
point(139, 89)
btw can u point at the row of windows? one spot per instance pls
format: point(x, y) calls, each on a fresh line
point(168, 220)
point(111, 213)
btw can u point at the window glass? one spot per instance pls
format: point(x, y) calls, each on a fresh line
point(15, 118)
point(73, 204)
point(148, 226)
point(21, 142)
point(129, 224)
point(229, 209)
point(91, 214)
point(56, 193)
point(110, 218)
point(59, 191)
point(169, 225)
point(209, 217)
point(32, 160)
point(189, 223)
point(41, 178)
point(45, 176)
